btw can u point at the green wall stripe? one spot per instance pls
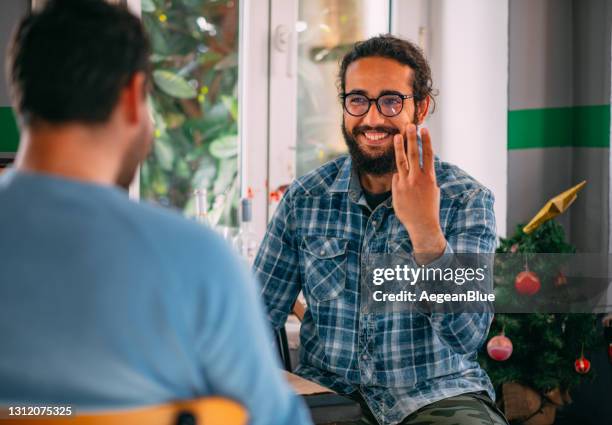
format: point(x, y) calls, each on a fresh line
point(9, 135)
point(578, 126)
point(592, 126)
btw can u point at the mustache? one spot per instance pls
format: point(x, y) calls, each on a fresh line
point(380, 129)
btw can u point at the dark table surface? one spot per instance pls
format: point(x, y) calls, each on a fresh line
point(326, 406)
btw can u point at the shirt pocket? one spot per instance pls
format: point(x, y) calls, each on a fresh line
point(324, 266)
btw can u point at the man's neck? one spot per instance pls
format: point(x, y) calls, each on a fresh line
point(73, 152)
point(376, 184)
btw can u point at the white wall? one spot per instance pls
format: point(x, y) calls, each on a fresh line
point(469, 56)
point(466, 42)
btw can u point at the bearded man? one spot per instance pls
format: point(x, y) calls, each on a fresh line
point(382, 198)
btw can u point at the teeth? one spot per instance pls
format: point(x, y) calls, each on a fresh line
point(375, 136)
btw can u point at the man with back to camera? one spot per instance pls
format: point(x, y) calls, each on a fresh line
point(412, 368)
point(106, 303)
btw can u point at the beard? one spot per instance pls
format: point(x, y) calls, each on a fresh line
point(375, 164)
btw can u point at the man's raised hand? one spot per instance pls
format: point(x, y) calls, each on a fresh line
point(416, 195)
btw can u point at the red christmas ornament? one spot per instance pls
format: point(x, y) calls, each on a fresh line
point(582, 365)
point(499, 347)
point(527, 283)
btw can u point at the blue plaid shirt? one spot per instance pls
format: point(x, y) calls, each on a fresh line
point(318, 241)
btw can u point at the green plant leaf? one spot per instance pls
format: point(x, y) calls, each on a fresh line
point(230, 61)
point(228, 170)
point(145, 176)
point(159, 43)
point(173, 84)
point(205, 173)
point(224, 147)
point(231, 103)
point(192, 3)
point(164, 153)
point(182, 169)
point(147, 6)
point(217, 111)
point(209, 56)
point(157, 58)
point(174, 120)
point(159, 183)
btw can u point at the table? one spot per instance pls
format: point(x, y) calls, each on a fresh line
point(325, 405)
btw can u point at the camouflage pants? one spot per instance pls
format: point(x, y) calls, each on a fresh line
point(464, 409)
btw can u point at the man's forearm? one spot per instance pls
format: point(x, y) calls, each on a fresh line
point(428, 248)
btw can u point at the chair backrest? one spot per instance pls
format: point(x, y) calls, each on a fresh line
point(283, 348)
point(202, 411)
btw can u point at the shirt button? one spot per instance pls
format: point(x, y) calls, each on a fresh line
point(374, 223)
point(322, 252)
point(364, 357)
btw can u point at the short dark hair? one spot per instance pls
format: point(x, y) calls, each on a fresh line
point(70, 61)
point(403, 51)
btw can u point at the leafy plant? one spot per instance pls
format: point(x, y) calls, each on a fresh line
point(194, 105)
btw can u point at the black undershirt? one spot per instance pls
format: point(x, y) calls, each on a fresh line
point(375, 199)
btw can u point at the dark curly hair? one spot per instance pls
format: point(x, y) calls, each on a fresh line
point(403, 51)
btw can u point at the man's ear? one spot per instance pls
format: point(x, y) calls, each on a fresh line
point(132, 97)
point(423, 110)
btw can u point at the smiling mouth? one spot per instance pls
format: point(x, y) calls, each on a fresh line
point(375, 137)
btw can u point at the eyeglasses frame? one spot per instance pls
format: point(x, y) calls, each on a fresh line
point(344, 96)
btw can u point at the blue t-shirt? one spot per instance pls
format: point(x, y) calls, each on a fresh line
point(107, 303)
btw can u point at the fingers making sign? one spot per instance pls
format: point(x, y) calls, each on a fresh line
point(416, 195)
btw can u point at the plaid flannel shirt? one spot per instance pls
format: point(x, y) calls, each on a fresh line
point(317, 242)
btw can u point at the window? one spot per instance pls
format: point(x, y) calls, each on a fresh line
point(194, 105)
point(326, 30)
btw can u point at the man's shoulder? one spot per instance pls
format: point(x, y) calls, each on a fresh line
point(319, 180)
point(148, 211)
point(455, 183)
point(180, 243)
point(158, 230)
point(167, 222)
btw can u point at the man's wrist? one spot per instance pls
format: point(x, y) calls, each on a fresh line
point(430, 248)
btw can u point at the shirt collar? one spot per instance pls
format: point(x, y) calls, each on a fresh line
point(347, 180)
point(343, 180)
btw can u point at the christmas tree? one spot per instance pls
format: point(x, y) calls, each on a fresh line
point(546, 352)
point(544, 346)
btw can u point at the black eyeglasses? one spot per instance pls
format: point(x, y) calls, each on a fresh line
point(388, 105)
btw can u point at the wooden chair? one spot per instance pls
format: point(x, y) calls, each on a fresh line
point(202, 411)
